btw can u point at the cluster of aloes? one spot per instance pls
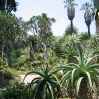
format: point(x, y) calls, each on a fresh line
point(81, 76)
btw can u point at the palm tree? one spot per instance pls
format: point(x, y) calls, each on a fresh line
point(96, 14)
point(87, 15)
point(81, 76)
point(70, 11)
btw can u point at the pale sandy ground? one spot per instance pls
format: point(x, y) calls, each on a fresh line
point(29, 78)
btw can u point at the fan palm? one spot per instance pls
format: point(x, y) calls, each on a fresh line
point(82, 76)
point(97, 20)
point(96, 13)
point(70, 11)
point(87, 15)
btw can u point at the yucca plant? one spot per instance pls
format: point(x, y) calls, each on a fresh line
point(46, 86)
point(82, 76)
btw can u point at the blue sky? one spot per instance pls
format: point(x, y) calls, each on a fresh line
point(54, 8)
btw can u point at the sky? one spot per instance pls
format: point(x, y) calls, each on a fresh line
point(54, 9)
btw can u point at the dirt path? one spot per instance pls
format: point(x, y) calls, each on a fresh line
point(29, 78)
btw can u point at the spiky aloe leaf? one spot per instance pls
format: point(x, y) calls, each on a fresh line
point(51, 89)
point(81, 57)
point(78, 84)
point(90, 82)
point(96, 80)
point(72, 75)
point(56, 79)
point(65, 77)
point(65, 67)
point(44, 91)
point(72, 65)
point(94, 66)
point(89, 61)
point(36, 72)
point(36, 89)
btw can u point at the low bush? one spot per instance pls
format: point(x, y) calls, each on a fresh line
point(16, 91)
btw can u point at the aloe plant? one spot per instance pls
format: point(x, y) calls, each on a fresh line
point(82, 76)
point(46, 86)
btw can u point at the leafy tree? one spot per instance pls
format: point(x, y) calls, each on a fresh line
point(58, 47)
point(44, 25)
point(87, 15)
point(9, 31)
point(68, 30)
point(8, 5)
point(41, 26)
point(70, 11)
point(84, 36)
point(33, 43)
point(32, 25)
point(82, 76)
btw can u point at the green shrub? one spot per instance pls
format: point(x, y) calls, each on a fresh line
point(16, 91)
point(16, 53)
point(1, 61)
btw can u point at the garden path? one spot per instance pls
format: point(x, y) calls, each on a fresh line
point(29, 78)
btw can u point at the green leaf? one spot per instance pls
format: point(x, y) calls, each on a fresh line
point(90, 82)
point(81, 57)
point(36, 89)
point(88, 62)
point(36, 72)
point(78, 84)
point(72, 75)
point(65, 77)
point(51, 89)
point(44, 91)
point(92, 67)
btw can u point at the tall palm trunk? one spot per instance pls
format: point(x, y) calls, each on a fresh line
point(71, 27)
point(96, 5)
point(83, 91)
point(88, 31)
point(97, 26)
point(97, 22)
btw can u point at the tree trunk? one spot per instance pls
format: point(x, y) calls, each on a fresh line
point(96, 5)
point(45, 53)
point(97, 26)
point(8, 54)
point(71, 27)
point(83, 91)
point(88, 31)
